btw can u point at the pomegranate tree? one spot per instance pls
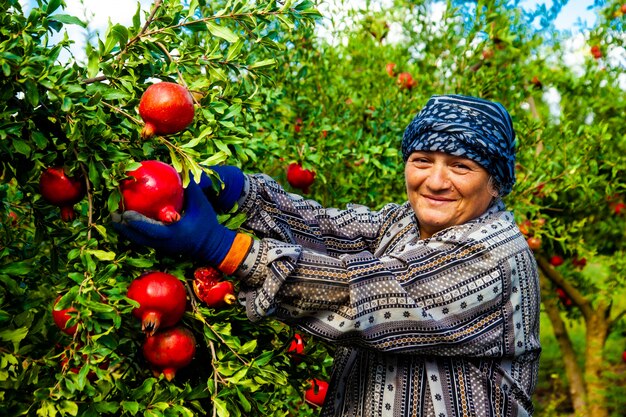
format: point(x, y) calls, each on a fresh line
point(61, 190)
point(169, 350)
point(155, 190)
point(166, 108)
point(162, 300)
point(209, 287)
point(299, 177)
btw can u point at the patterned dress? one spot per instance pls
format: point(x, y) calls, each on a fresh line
point(445, 326)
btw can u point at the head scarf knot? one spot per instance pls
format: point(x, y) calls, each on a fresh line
point(471, 127)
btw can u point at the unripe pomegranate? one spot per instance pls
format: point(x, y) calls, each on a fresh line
point(169, 350)
point(162, 300)
point(61, 318)
point(316, 393)
point(154, 190)
point(166, 108)
point(390, 68)
point(299, 177)
point(62, 191)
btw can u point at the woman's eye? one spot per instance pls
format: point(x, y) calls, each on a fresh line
point(461, 167)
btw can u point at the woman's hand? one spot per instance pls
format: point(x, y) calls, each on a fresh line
point(231, 187)
point(197, 234)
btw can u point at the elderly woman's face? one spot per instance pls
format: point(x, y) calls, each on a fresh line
point(445, 190)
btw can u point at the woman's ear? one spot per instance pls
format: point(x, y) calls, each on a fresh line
point(494, 189)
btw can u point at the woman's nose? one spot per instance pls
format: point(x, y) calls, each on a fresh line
point(438, 178)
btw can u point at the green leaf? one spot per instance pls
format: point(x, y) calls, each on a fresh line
point(32, 93)
point(67, 19)
point(222, 32)
point(69, 407)
point(131, 406)
point(101, 254)
point(234, 50)
point(144, 389)
point(21, 147)
point(116, 35)
point(221, 408)
point(16, 268)
point(14, 336)
point(262, 64)
point(52, 6)
point(107, 406)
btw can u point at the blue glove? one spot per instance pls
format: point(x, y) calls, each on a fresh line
point(233, 181)
point(197, 234)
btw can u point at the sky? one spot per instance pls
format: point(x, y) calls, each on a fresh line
point(99, 13)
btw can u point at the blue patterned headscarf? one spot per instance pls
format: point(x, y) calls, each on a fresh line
point(472, 127)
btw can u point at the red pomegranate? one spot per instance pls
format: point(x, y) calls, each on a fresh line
point(162, 300)
point(213, 293)
point(316, 393)
point(556, 260)
point(62, 191)
point(61, 317)
point(154, 190)
point(296, 348)
point(166, 108)
point(299, 177)
point(405, 80)
point(169, 350)
point(390, 68)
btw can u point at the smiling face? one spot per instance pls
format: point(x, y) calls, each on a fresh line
point(446, 190)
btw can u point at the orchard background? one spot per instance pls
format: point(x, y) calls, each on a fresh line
point(270, 91)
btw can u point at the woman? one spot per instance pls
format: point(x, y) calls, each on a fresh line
point(433, 304)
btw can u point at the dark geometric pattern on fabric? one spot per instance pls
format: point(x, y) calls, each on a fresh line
point(472, 127)
point(445, 326)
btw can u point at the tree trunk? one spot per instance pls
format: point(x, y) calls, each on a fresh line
point(574, 374)
point(597, 332)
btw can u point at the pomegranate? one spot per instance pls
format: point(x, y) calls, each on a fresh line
point(61, 318)
point(567, 302)
point(596, 52)
point(155, 190)
point(207, 275)
point(556, 260)
point(213, 292)
point(162, 300)
point(169, 350)
point(390, 68)
point(534, 243)
point(296, 348)
point(299, 177)
point(166, 108)
point(405, 80)
point(316, 393)
point(62, 191)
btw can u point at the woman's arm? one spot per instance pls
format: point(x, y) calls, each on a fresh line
point(469, 291)
point(274, 213)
